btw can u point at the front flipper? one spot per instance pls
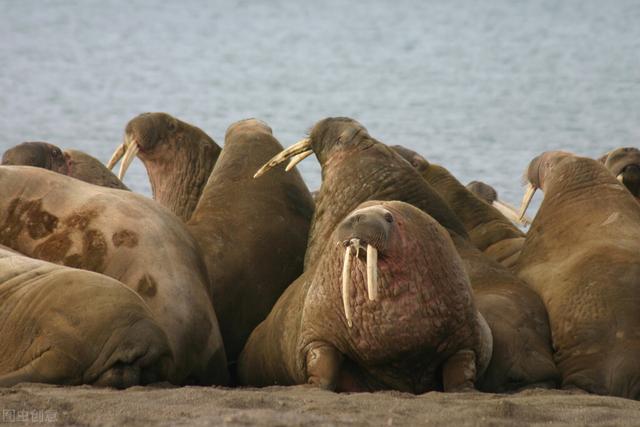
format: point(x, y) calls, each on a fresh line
point(459, 372)
point(323, 365)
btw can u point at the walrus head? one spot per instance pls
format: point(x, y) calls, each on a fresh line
point(537, 172)
point(327, 138)
point(38, 154)
point(154, 137)
point(624, 164)
point(489, 194)
point(178, 158)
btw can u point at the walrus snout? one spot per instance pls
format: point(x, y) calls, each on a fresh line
point(370, 225)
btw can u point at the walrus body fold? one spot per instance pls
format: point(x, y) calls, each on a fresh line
point(61, 325)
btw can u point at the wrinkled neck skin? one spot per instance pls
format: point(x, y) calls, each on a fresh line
point(485, 225)
point(354, 176)
point(421, 316)
point(177, 180)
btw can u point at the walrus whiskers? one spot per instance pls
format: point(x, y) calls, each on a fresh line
point(296, 149)
point(346, 285)
point(130, 154)
point(116, 156)
point(372, 272)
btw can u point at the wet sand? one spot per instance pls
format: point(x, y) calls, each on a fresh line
point(300, 405)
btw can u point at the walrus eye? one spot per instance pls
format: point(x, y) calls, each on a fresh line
point(388, 217)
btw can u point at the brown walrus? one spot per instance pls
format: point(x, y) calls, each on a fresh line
point(61, 325)
point(522, 354)
point(357, 168)
point(403, 319)
point(73, 163)
point(179, 158)
point(624, 164)
point(125, 236)
point(253, 233)
point(582, 256)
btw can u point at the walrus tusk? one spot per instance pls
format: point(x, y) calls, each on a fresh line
point(132, 150)
point(346, 285)
point(620, 177)
point(297, 159)
point(296, 149)
point(116, 156)
point(528, 195)
point(372, 272)
point(511, 213)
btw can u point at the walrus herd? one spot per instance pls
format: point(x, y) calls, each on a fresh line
point(392, 276)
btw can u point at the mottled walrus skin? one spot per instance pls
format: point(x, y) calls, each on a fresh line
point(179, 158)
point(522, 353)
point(73, 163)
point(128, 237)
point(582, 256)
point(624, 164)
point(422, 332)
point(253, 232)
point(61, 325)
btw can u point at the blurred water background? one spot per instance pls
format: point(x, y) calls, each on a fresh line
point(478, 86)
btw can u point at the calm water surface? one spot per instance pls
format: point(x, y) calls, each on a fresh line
point(480, 87)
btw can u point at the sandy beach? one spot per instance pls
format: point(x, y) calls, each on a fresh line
point(302, 406)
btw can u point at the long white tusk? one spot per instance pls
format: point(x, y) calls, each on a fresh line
point(297, 148)
point(132, 150)
point(526, 200)
point(511, 213)
point(297, 159)
point(620, 177)
point(346, 285)
point(116, 156)
point(372, 272)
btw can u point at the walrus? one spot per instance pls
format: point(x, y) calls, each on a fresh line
point(522, 353)
point(624, 164)
point(253, 233)
point(582, 256)
point(126, 236)
point(488, 228)
point(357, 168)
point(61, 325)
point(178, 156)
point(387, 306)
point(73, 163)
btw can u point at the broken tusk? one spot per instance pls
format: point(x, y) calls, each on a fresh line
point(132, 150)
point(297, 159)
point(620, 178)
point(372, 272)
point(116, 156)
point(298, 148)
point(346, 285)
point(526, 200)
